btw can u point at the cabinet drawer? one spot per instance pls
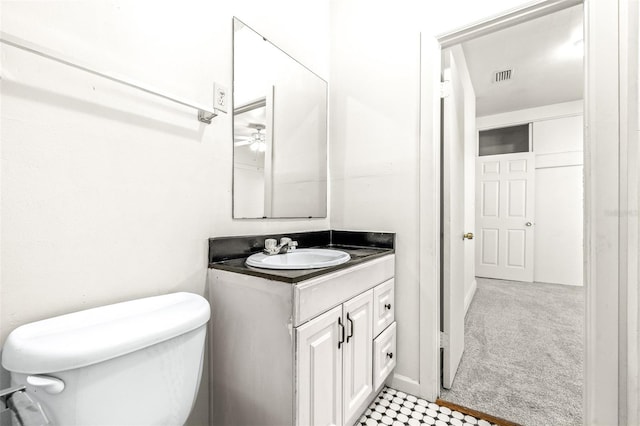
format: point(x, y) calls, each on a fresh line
point(384, 355)
point(318, 295)
point(383, 306)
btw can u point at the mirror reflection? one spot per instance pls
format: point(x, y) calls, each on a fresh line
point(279, 132)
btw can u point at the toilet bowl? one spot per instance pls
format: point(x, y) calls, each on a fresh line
point(131, 363)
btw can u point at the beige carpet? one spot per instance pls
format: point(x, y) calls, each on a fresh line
point(523, 358)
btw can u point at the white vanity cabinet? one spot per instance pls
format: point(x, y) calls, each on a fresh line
point(307, 353)
point(335, 363)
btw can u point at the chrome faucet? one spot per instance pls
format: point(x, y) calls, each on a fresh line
point(272, 247)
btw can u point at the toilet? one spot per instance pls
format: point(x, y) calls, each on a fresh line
point(132, 363)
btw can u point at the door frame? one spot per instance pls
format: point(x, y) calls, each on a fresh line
point(611, 183)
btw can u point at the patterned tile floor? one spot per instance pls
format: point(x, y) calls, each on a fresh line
point(395, 408)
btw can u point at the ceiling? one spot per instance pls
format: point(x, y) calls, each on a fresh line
point(545, 55)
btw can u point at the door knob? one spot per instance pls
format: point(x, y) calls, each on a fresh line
point(468, 236)
point(528, 224)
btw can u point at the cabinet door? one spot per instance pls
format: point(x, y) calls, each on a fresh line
point(357, 354)
point(383, 306)
point(319, 371)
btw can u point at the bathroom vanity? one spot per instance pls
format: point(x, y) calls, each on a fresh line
point(303, 347)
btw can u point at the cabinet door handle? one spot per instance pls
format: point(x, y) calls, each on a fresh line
point(341, 341)
point(390, 355)
point(388, 306)
point(351, 322)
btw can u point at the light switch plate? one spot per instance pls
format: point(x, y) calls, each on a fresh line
point(220, 97)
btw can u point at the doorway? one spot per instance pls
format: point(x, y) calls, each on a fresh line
point(523, 337)
point(609, 188)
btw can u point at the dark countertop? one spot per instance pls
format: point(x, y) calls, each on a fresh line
point(358, 255)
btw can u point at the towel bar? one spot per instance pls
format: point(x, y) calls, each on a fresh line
point(205, 114)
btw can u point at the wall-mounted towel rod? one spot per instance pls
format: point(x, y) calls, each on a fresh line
point(205, 114)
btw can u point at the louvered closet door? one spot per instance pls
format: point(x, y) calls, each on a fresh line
point(505, 216)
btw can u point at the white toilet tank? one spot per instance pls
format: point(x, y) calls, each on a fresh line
point(133, 363)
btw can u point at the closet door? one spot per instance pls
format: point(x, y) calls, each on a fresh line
point(505, 208)
point(357, 355)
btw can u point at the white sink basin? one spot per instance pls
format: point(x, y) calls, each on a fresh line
point(299, 259)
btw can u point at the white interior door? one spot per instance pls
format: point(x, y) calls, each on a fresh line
point(505, 209)
point(452, 222)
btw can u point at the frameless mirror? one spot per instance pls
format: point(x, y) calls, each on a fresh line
point(279, 132)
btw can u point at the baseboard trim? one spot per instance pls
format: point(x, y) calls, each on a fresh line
point(405, 384)
point(566, 284)
point(469, 296)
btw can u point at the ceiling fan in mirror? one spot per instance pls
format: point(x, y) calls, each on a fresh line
point(255, 141)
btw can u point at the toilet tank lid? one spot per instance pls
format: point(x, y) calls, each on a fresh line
point(87, 337)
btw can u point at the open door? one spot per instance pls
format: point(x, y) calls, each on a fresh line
point(453, 209)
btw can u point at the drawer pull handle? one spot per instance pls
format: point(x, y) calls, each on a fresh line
point(341, 341)
point(351, 322)
point(390, 355)
point(388, 306)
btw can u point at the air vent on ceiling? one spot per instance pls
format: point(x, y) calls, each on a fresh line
point(501, 76)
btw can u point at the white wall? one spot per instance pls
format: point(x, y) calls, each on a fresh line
point(564, 109)
point(249, 191)
point(558, 225)
point(248, 182)
point(374, 141)
point(558, 145)
point(110, 194)
point(299, 154)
